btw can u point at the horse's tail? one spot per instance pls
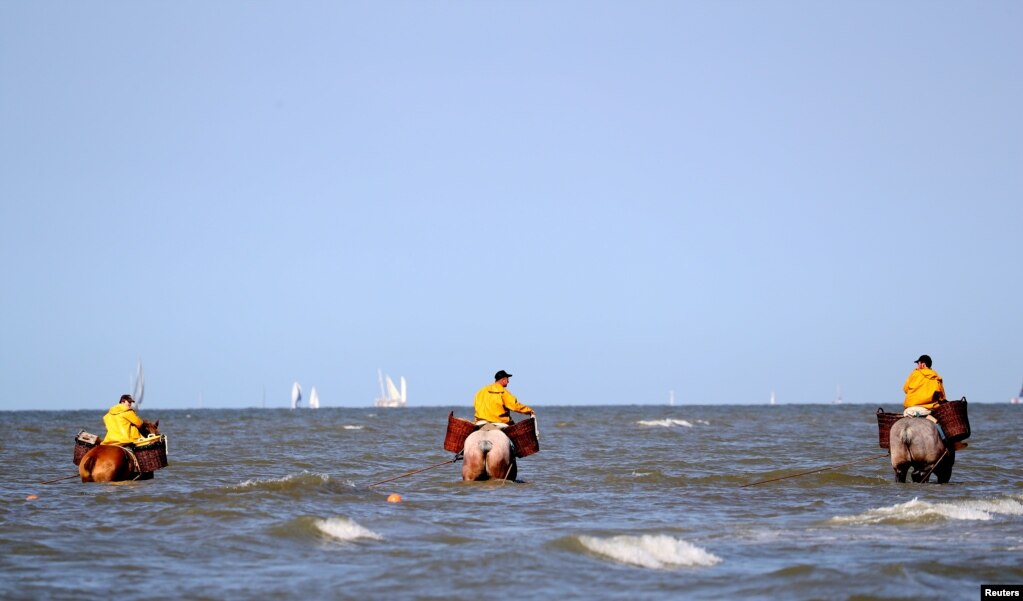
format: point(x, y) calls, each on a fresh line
point(906, 436)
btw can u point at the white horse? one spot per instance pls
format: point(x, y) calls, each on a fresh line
point(488, 455)
point(914, 443)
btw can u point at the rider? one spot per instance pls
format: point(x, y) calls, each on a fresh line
point(493, 402)
point(923, 387)
point(122, 423)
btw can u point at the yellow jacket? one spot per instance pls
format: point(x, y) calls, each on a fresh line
point(493, 403)
point(920, 388)
point(122, 425)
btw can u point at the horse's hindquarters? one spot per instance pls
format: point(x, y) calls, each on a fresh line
point(488, 454)
point(915, 445)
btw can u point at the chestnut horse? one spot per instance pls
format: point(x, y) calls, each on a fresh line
point(915, 444)
point(111, 463)
point(488, 455)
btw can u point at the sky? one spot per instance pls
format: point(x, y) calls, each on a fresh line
point(612, 201)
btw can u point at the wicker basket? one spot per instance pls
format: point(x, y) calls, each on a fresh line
point(83, 443)
point(885, 421)
point(952, 418)
point(152, 456)
point(523, 436)
point(458, 430)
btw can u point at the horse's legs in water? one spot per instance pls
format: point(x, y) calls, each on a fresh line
point(900, 473)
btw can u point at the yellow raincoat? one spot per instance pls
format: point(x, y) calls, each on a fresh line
point(122, 425)
point(493, 403)
point(920, 388)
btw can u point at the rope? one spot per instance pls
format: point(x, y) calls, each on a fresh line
point(927, 476)
point(823, 469)
point(456, 458)
point(59, 479)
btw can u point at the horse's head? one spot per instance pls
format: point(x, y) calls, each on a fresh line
point(150, 428)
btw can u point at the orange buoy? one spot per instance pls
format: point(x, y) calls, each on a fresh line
point(31, 497)
point(394, 498)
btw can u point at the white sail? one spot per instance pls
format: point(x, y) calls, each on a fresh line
point(671, 398)
point(138, 389)
point(392, 391)
point(391, 395)
point(314, 399)
point(772, 398)
point(296, 395)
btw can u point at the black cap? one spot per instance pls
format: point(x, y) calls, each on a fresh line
point(925, 359)
point(501, 375)
point(126, 397)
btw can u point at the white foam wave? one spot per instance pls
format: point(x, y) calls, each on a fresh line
point(352, 427)
point(345, 529)
point(920, 510)
point(650, 551)
point(282, 480)
point(665, 423)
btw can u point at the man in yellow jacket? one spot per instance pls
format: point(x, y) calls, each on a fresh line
point(493, 402)
point(122, 423)
point(923, 387)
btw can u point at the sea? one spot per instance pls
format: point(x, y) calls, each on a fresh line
point(630, 502)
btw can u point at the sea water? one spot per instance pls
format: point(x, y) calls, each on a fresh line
point(621, 502)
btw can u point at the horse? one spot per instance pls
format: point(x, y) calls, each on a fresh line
point(111, 463)
point(914, 443)
point(488, 455)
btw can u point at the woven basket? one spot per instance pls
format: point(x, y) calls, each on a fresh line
point(885, 421)
point(83, 443)
point(152, 456)
point(953, 420)
point(523, 436)
point(81, 448)
point(458, 430)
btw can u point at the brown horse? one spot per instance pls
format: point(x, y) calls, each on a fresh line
point(915, 444)
point(488, 455)
point(111, 463)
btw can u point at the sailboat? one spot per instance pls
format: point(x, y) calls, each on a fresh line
point(838, 396)
point(671, 398)
point(138, 387)
point(314, 399)
point(771, 402)
point(390, 395)
point(1018, 399)
point(296, 395)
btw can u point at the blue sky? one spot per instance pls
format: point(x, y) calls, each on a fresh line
point(610, 200)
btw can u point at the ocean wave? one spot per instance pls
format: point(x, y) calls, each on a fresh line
point(288, 482)
point(669, 423)
point(350, 427)
point(650, 551)
point(917, 510)
point(345, 529)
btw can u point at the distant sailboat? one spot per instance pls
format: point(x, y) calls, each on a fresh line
point(771, 402)
point(314, 399)
point(838, 396)
point(138, 388)
point(296, 395)
point(1018, 399)
point(671, 398)
point(390, 395)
